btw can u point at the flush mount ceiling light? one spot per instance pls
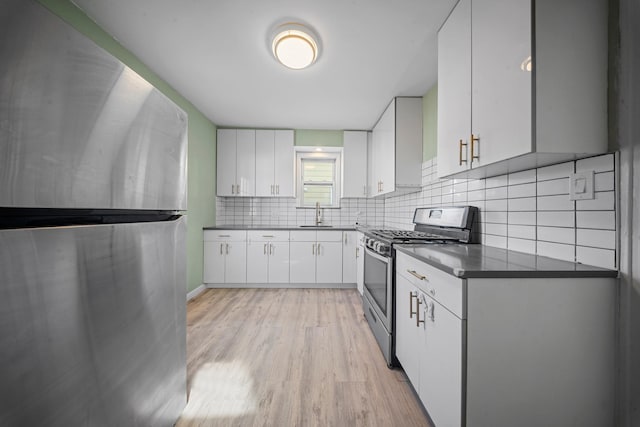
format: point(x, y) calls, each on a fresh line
point(294, 46)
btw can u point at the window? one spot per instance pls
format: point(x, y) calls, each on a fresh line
point(318, 178)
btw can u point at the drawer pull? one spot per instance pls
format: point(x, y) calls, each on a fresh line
point(267, 235)
point(411, 297)
point(416, 275)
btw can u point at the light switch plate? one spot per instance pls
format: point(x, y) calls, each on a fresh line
point(581, 185)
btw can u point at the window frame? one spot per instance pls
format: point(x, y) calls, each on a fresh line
point(319, 153)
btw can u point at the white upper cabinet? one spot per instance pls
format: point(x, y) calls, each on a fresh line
point(396, 158)
point(354, 164)
point(236, 162)
point(454, 90)
point(274, 163)
point(524, 91)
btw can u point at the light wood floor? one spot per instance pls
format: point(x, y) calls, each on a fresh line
point(289, 357)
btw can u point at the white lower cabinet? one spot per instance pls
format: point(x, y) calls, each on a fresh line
point(225, 256)
point(349, 256)
point(360, 263)
point(267, 256)
point(507, 351)
point(315, 256)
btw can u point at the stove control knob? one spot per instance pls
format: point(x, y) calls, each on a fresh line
point(383, 248)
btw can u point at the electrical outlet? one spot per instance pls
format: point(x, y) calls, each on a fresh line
point(581, 185)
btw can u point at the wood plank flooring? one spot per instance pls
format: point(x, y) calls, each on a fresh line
point(289, 357)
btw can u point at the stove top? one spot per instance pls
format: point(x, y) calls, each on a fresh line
point(431, 225)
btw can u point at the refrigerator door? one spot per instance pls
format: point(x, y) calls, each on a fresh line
point(92, 323)
point(79, 129)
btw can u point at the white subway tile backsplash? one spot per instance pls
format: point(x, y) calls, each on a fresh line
point(521, 245)
point(459, 187)
point(459, 198)
point(604, 220)
point(553, 187)
point(556, 218)
point(496, 205)
point(603, 201)
point(476, 195)
point(522, 231)
point(597, 164)
point(495, 241)
point(497, 181)
point(524, 204)
point(475, 184)
point(495, 229)
point(447, 199)
point(562, 170)
point(556, 234)
point(522, 218)
point(496, 193)
point(522, 177)
point(556, 250)
point(596, 238)
point(555, 203)
point(604, 258)
point(495, 217)
point(521, 190)
point(604, 181)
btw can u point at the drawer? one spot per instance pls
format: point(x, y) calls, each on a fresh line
point(225, 235)
point(268, 235)
point(302, 235)
point(442, 287)
point(329, 236)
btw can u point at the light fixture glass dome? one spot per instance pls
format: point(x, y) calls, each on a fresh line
point(294, 46)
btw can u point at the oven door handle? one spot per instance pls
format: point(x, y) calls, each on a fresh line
point(376, 255)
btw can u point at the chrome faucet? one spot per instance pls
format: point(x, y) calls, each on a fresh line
point(318, 214)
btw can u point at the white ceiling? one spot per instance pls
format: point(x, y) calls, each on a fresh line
point(217, 54)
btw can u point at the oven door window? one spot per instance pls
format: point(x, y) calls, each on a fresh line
point(375, 280)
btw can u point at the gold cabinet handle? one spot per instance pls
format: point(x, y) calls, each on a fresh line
point(227, 248)
point(414, 274)
point(277, 188)
point(411, 297)
point(474, 139)
point(462, 144)
point(264, 249)
point(418, 321)
point(221, 245)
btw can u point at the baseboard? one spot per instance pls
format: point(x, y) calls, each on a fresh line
point(197, 291)
point(282, 285)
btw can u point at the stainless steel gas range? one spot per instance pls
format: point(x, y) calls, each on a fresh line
point(431, 225)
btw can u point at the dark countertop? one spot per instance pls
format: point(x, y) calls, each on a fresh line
point(280, 227)
point(479, 261)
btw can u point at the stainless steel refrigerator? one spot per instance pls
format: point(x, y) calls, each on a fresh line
point(92, 233)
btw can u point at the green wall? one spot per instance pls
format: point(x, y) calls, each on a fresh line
point(430, 123)
point(324, 138)
point(202, 137)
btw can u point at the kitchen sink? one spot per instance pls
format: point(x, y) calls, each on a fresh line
point(315, 226)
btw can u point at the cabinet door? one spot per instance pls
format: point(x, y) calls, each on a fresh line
point(441, 364)
point(354, 164)
point(258, 262)
point(408, 334)
point(226, 162)
point(329, 262)
point(246, 161)
point(214, 255)
point(236, 262)
point(278, 262)
point(349, 245)
point(302, 262)
point(454, 90)
point(502, 90)
point(385, 152)
point(360, 269)
point(283, 163)
point(265, 185)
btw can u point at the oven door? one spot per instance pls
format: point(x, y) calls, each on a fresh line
point(378, 285)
